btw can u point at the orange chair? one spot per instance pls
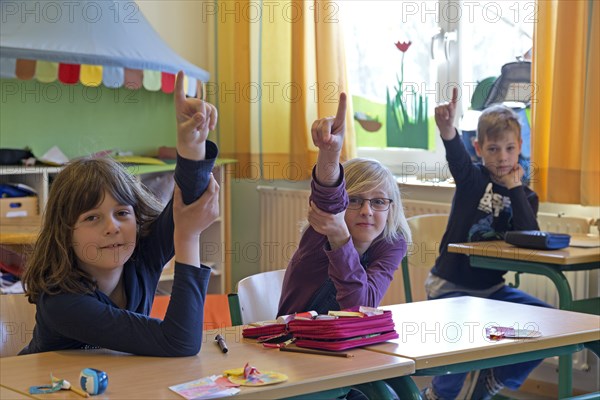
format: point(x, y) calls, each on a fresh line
point(216, 310)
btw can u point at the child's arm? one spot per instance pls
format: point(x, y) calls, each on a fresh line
point(190, 220)
point(331, 225)
point(328, 136)
point(459, 160)
point(196, 158)
point(195, 118)
point(444, 117)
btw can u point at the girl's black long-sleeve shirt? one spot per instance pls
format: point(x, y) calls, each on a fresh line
point(75, 321)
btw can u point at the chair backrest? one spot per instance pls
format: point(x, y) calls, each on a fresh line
point(17, 319)
point(427, 231)
point(257, 297)
point(563, 224)
point(408, 284)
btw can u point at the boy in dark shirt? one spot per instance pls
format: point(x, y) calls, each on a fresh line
point(490, 199)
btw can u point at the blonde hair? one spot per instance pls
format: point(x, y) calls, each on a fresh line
point(364, 175)
point(81, 186)
point(495, 121)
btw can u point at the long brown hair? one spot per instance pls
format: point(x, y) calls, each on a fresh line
point(52, 267)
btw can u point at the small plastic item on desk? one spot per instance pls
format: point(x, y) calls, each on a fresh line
point(504, 332)
point(56, 385)
point(250, 376)
point(93, 381)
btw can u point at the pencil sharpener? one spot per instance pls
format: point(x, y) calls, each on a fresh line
point(93, 381)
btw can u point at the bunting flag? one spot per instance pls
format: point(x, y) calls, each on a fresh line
point(95, 75)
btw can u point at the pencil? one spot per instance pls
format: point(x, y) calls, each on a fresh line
point(318, 352)
point(79, 391)
point(67, 385)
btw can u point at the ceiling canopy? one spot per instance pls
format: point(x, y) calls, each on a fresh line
point(105, 42)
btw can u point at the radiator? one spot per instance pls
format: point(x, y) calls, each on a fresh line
point(282, 216)
point(417, 207)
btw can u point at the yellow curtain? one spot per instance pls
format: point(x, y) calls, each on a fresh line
point(280, 66)
point(566, 102)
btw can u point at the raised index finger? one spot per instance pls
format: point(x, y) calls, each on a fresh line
point(454, 95)
point(340, 116)
point(179, 92)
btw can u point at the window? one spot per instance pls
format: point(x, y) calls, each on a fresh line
point(452, 41)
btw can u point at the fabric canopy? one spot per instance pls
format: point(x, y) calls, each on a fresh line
point(91, 42)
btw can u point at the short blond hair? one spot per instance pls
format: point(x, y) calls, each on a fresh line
point(495, 121)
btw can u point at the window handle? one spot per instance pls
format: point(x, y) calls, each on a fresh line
point(434, 39)
point(449, 37)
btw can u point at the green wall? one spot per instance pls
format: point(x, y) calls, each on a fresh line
point(81, 120)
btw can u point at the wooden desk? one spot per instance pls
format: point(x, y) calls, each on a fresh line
point(7, 394)
point(549, 263)
point(449, 334)
point(136, 377)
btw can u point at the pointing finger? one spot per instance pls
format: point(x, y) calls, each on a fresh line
point(179, 92)
point(340, 116)
point(454, 95)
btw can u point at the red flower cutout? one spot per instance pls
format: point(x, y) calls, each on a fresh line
point(403, 46)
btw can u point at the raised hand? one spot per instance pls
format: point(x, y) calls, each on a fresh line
point(444, 116)
point(331, 225)
point(195, 118)
point(328, 133)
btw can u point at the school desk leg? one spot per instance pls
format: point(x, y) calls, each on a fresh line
point(325, 395)
point(565, 376)
point(405, 387)
point(376, 390)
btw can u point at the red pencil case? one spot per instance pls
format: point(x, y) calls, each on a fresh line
point(339, 345)
point(343, 333)
point(342, 328)
point(265, 330)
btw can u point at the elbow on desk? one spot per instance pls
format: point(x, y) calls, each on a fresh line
point(183, 349)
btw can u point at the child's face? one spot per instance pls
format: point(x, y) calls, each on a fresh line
point(104, 237)
point(500, 155)
point(365, 224)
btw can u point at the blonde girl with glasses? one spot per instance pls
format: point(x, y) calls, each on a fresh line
point(357, 233)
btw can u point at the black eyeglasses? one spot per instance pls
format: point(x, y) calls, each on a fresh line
point(378, 204)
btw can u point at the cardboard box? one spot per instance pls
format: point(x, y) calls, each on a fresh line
point(16, 207)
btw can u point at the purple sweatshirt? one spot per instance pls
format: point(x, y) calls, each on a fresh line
point(314, 262)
